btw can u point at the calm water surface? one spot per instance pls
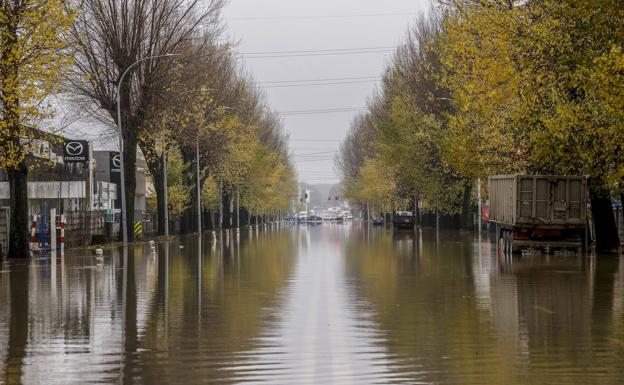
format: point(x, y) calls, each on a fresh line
point(327, 304)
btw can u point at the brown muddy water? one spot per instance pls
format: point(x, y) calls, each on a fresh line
point(329, 304)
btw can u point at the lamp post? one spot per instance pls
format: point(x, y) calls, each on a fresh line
point(124, 227)
point(166, 194)
point(199, 221)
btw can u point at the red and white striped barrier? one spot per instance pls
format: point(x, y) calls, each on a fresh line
point(61, 226)
point(34, 244)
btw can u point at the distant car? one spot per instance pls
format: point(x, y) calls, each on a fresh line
point(378, 221)
point(315, 219)
point(403, 219)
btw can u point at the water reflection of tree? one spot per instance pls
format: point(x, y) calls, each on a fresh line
point(18, 323)
point(537, 320)
point(238, 281)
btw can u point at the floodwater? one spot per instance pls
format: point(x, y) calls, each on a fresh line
point(328, 304)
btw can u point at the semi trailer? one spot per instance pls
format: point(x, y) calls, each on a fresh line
point(538, 212)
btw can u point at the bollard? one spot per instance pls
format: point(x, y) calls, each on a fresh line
point(33, 233)
point(62, 238)
point(53, 232)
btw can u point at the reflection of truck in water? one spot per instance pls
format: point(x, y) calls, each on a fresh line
point(403, 219)
point(538, 211)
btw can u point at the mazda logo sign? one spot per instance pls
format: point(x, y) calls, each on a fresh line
point(74, 148)
point(117, 161)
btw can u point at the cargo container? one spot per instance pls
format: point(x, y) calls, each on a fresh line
point(538, 211)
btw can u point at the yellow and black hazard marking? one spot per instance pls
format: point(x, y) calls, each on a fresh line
point(138, 230)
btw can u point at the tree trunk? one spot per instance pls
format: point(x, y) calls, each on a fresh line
point(10, 115)
point(231, 212)
point(225, 203)
point(18, 237)
point(416, 209)
point(159, 189)
point(155, 165)
point(604, 222)
point(466, 210)
point(130, 150)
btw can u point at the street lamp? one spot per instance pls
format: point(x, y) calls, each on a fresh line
point(121, 154)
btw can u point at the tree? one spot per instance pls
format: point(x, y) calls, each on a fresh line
point(111, 35)
point(32, 58)
point(406, 129)
point(375, 185)
point(525, 82)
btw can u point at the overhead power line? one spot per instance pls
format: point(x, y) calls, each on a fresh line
point(320, 80)
point(313, 160)
point(316, 51)
point(315, 140)
point(315, 153)
point(352, 52)
point(321, 111)
point(323, 16)
point(318, 84)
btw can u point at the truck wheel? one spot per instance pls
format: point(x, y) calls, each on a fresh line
point(512, 247)
point(508, 242)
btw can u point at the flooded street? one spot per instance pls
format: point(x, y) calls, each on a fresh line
point(318, 304)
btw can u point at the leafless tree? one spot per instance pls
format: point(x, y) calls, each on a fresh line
point(111, 35)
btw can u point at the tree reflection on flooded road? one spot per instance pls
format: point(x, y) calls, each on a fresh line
point(325, 304)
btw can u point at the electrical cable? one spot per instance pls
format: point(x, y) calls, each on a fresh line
point(319, 84)
point(316, 51)
point(321, 111)
point(315, 153)
point(317, 54)
point(319, 80)
point(322, 16)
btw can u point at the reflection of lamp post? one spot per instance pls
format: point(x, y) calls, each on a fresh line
point(121, 155)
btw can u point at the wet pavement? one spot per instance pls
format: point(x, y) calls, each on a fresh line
point(324, 304)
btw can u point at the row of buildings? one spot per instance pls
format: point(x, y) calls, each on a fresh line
point(79, 182)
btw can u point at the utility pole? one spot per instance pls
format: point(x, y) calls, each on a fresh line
point(199, 227)
point(220, 203)
point(166, 194)
point(480, 214)
point(237, 207)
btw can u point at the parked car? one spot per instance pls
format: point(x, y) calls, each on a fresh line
point(403, 219)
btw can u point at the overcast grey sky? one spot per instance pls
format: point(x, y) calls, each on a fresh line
point(266, 29)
